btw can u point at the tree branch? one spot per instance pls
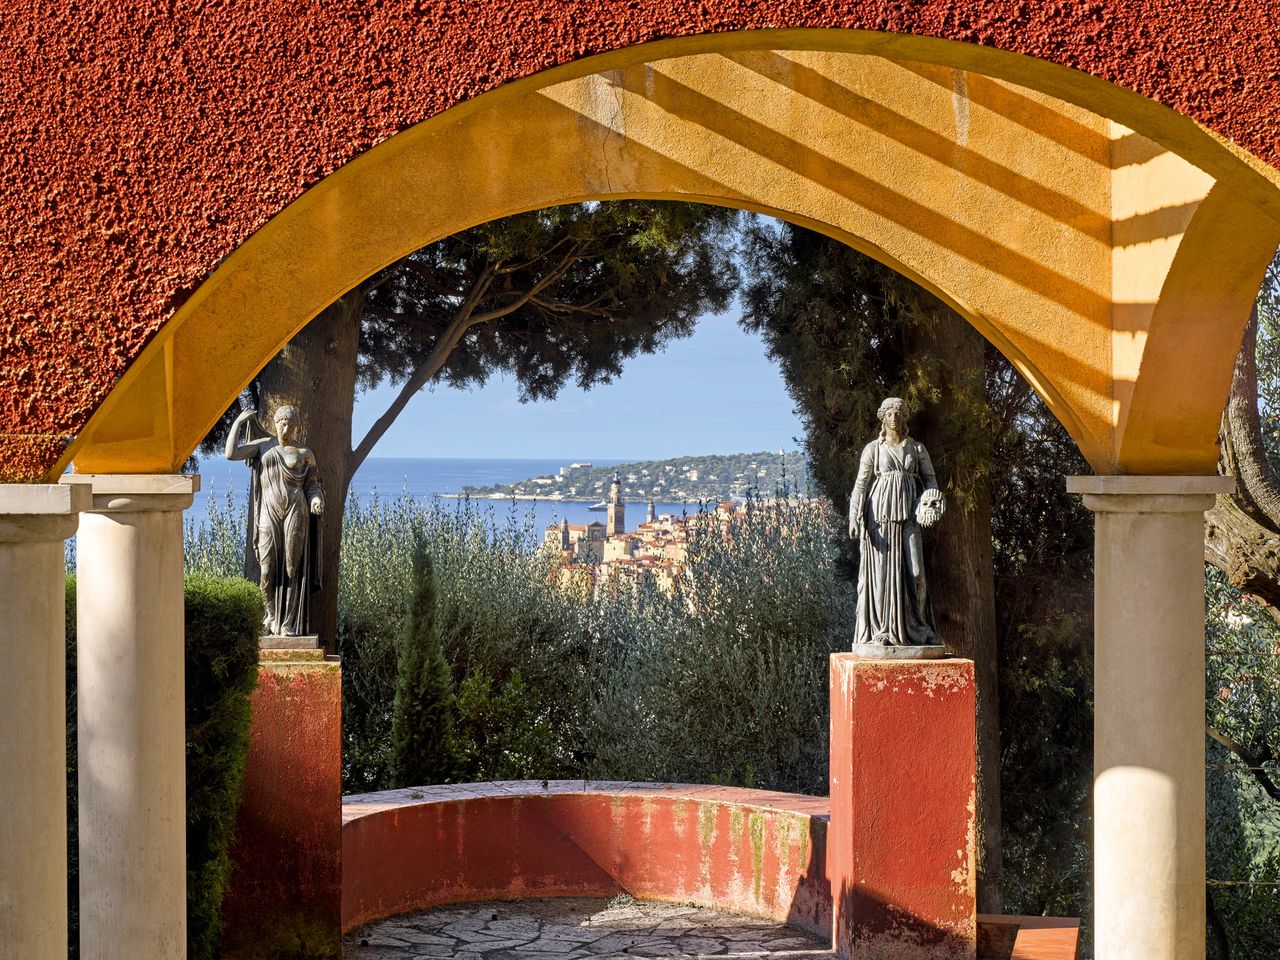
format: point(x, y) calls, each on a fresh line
point(1253, 761)
point(423, 373)
point(542, 255)
point(431, 278)
point(463, 320)
point(557, 306)
point(552, 276)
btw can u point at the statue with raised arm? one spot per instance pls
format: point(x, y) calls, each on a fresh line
point(896, 494)
point(284, 502)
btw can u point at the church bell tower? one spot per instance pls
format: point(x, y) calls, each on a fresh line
point(617, 524)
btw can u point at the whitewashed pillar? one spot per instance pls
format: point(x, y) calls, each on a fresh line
point(35, 519)
point(131, 742)
point(1148, 732)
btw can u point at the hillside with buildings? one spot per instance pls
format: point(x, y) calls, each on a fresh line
point(654, 550)
point(712, 477)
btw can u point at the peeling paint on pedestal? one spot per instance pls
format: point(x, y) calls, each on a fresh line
point(903, 809)
point(284, 898)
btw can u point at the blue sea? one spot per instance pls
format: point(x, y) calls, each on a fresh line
point(428, 478)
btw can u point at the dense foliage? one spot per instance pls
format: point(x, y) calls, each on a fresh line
point(1042, 541)
point(550, 683)
point(221, 669)
point(422, 713)
point(550, 297)
point(1242, 714)
point(1242, 696)
point(223, 619)
point(1268, 353)
point(848, 331)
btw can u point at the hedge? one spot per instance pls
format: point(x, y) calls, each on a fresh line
point(222, 624)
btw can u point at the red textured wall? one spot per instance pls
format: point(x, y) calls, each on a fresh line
point(143, 140)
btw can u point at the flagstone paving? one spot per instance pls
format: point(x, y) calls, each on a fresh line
point(578, 928)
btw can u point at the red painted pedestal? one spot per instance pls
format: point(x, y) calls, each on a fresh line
point(900, 851)
point(285, 897)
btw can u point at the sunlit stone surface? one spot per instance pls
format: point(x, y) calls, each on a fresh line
point(576, 928)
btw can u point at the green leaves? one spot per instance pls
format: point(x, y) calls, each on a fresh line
point(422, 718)
point(1242, 706)
point(629, 276)
point(725, 681)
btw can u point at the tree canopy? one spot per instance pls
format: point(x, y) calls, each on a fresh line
point(564, 294)
point(847, 332)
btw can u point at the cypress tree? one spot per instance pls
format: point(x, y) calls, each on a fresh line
point(422, 716)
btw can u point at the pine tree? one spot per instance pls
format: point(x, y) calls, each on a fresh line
point(422, 717)
point(550, 297)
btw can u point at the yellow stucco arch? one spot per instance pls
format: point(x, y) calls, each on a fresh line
point(1111, 253)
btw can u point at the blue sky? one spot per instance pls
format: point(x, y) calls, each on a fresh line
point(716, 392)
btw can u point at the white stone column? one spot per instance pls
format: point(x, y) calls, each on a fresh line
point(129, 625)
point(1148, 733)
point(35, 519)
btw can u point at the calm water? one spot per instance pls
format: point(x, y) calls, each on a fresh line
point(426, 478)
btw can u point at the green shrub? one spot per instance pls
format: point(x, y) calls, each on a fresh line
point(496, 616)
point(214, 545)
point(506, 734)
point(723, 682)
point(1242, 706)
point(422, 718)
point(221, 664)
point(223, 618)
point(726, 680)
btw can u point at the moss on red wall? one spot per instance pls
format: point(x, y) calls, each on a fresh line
point(144, 140)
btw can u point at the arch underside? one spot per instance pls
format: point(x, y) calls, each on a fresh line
point(1114, 273)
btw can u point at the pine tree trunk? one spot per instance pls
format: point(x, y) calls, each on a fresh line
point(1242, 531)
point(316, 372)
point(961, 574)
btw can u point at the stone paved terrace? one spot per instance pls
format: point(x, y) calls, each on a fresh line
point(577, 928)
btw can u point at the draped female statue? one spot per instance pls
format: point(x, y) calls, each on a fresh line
point(896, 494)
point(284, 501)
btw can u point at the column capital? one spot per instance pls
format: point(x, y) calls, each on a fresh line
point(1124, 493)
point(40, 511)
point(136, 492)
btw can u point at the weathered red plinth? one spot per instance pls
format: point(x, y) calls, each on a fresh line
point(900, 851)
point(285, 898)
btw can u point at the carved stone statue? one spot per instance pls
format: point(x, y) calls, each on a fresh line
point(896, 494)
point(284, 502)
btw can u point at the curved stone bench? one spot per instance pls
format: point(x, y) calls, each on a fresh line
point(742, 851)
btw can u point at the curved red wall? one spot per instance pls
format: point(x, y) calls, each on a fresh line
point(144, 140)
point(744, 851)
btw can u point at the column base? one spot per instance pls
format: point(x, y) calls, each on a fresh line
point(886, 651)
point(273, 642)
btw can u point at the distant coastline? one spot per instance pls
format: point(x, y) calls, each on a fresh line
point(534, 498)
point(692, 480)
point(225, 485)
